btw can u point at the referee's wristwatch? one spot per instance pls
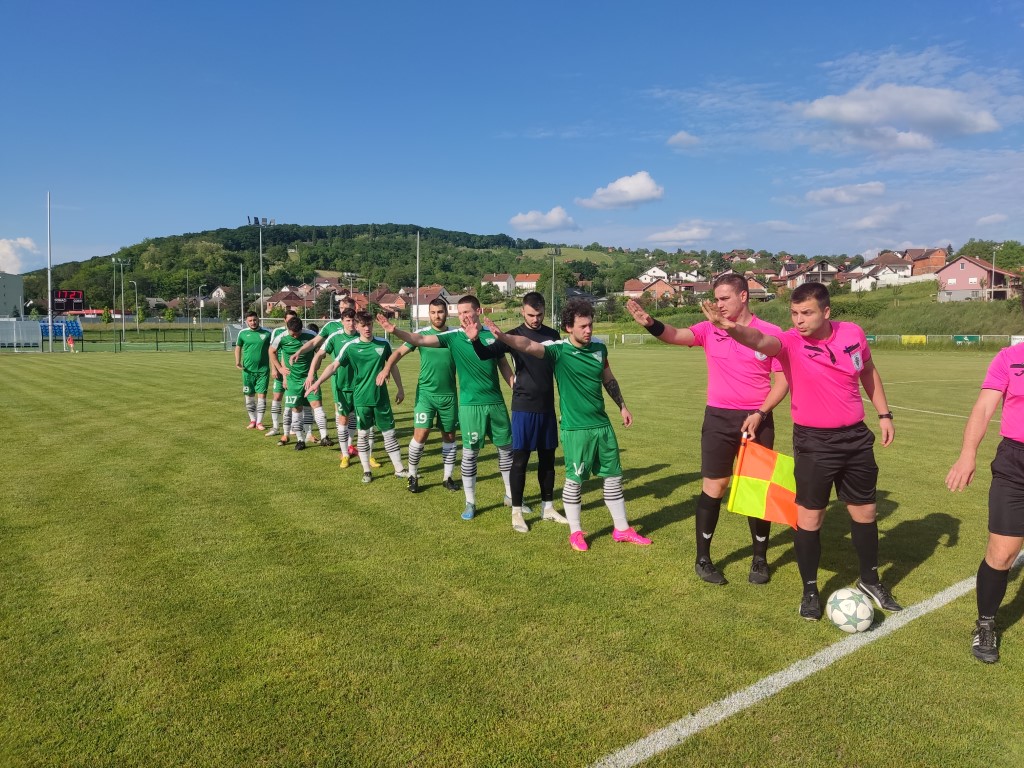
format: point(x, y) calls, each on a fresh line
point(885, 416)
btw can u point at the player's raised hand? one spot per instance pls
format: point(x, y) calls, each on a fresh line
point(639, 314)
point(715, 316)
point(491, 326)
point(471, 327)
point(386, 324)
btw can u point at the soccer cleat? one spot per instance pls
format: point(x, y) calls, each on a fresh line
point(451, 484)
point(259, 426)
point(353, 451)
point(252, 425)
point(507, 501)
point(469, 512)
point(401, 474)
point(758, 571)
point(984, 642)
point(578, 541)
point(374, 464)
point(300, 445)
point(518, 524)
point(326, 442)
point(706, 570)
point(283, 441)
point(414, 484)
point(810, 606)
point(367, 477)
point(345, 461)
point(630, 536)
point(272, 433)
point(552, 516)
point(880, 595)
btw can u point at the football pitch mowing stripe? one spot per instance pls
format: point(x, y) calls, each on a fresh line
point(179, 592)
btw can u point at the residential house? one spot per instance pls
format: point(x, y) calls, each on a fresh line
point(504, 282)
point(970, 279)
point(897, 265)
point(652, 274)
point(819, 271)
point(684, 276)
point(419, 306)
point(926, 261)
point(526, 282)
point(659, 289)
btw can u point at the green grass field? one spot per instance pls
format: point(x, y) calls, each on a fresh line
point(177, 591)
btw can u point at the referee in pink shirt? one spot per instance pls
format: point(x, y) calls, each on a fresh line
point(1003, 383)
point(826, 362)
point(741, 397)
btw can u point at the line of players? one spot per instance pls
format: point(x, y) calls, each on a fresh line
point(752, 365)
point(473, 357)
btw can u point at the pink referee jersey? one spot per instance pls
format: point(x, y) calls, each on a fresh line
point(1006, 375)
point(824, 375)
point(738, 377)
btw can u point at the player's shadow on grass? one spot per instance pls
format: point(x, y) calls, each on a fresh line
point(1011, 612)
point(657, 488)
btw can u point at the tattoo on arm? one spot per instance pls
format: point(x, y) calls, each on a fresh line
point(612, 388)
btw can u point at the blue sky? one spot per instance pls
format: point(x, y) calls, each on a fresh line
point(802, 126)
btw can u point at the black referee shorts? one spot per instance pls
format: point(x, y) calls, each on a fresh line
point(1006, 494)
point(720, 438)
point(840, 456)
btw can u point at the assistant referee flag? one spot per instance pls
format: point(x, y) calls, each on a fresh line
point(763, 484)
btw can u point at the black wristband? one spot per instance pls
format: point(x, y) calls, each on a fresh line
point(885, 416)
point(761, 413)
point(656, 329)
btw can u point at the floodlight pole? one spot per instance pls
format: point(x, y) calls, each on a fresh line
point(260, 224)
point(992, 284)
point(119, 263)
point(49, 282)
point(136, 306)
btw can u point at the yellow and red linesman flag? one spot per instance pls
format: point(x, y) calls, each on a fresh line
point(763, 484)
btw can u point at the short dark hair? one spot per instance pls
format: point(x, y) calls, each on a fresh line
point(294, 323)
point(347, 301)
point(472, 300)
point(290, 313)
point(534, 300)
point(807, 291)
point(364, 318)
point(737, 282)
point(346, 313)
point(313, 327)
point(576, 308)
point(250, 313)
point(438, 302)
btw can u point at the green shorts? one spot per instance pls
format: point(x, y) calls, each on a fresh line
point(342, 400)
point(435, 410)
point(255, 382)
point(295, 394)
point(477, 422)
point(589, 452)
point(278, 385)
point(370, 416)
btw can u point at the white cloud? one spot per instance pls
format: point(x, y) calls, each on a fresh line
point(995, 218)
point(11, 253)
point(625, 192)
point(684, 234)
point(847, 195)
point(879, 218)
point(775, 225)
point(682, 140)
point(903, 109)
point(537, 221)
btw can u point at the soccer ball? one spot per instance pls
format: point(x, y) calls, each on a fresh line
point(850, 610)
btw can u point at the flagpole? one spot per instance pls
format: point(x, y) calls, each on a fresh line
point(739, 463)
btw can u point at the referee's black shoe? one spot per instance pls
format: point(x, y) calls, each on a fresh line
point(759, 571)
point(984, 643)
point(706, 570)
point(810, 606)
point(880, 595)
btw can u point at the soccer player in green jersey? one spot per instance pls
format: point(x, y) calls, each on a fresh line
point(295, 397)
point(281, 418)
point(482, 411)
point(252, 358)
point(436, 397)
point(588, 440)
point(365, 357)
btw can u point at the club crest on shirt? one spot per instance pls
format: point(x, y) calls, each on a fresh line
point(858, 362)
point(596, 356)
point(761, 356)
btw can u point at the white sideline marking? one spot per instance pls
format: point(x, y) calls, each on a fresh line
point(931, 413)
point(676, 733)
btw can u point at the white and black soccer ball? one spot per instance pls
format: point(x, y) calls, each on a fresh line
point(850, 610)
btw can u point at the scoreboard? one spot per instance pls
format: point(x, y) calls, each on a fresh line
point(67, 301)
